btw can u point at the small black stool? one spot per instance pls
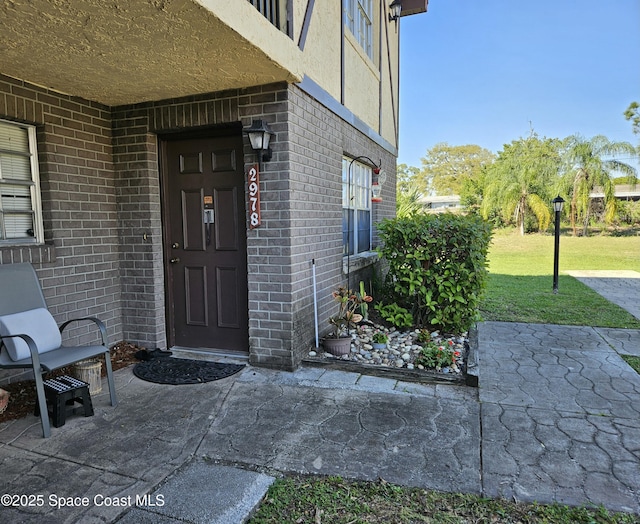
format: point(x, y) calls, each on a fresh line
point(62, 393)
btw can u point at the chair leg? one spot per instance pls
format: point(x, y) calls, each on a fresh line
point(42, 404)
point(112, 386)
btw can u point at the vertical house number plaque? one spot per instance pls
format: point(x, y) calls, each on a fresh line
point(254, 197)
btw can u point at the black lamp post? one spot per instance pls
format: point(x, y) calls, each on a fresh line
point(557, 207)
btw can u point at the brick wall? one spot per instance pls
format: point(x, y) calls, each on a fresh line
point(102, 210)
point(135, 156)
point(269, 246)
point(140, 232)
point(301, 211)
point(317, 141)
point(135, 130)
point(79, 267)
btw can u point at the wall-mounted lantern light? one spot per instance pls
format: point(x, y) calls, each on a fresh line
point(260, 135)
point(395, 9)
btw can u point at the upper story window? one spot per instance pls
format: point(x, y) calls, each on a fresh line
point(20, 210)
point(356, 207)
point(358, 16)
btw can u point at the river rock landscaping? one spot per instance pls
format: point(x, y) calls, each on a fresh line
point(404, 350)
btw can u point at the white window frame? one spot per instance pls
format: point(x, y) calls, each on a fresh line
point(358, 201)
point(358, 17)
point(33, 183)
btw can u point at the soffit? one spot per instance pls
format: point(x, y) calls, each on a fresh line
point(126, 51)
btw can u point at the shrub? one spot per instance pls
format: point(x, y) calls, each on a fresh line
point(437, 356)
point(395, 315)
point(629, 212)
point(436, 267)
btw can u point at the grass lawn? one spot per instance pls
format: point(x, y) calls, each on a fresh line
point(521, 279)
point(634, 362)
point(332, 500)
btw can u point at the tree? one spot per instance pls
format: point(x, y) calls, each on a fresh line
point(588, 165)
point(407, 193)
point(472, 191)
point(405, 177)
point(520, 181)
point(633, 114)
point(445, 167)
point(408, 203)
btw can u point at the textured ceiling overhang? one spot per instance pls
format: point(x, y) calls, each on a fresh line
point(126, 51)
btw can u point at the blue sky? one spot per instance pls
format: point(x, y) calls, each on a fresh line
point(484, 71)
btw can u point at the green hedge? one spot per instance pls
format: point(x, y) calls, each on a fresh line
point(437, 267)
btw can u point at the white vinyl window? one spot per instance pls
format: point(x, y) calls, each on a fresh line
point(358, 17)
point(20, 211)
point(356, 207)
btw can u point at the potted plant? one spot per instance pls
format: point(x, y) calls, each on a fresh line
point(379, 340)
point(339, 342)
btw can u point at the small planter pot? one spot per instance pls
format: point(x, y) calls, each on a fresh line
point(379, 346)
point(337, 346)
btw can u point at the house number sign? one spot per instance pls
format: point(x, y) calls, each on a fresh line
point(254, 197)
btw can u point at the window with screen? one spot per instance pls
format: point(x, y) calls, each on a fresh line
point(20, 214)
point(356, 207)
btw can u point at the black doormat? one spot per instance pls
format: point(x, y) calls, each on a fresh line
point(178, 371)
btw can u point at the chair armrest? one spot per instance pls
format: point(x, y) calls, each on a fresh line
point(96, 321)
point(35, 356)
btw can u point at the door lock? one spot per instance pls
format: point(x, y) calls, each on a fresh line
point(174, 260)
point(175, 245)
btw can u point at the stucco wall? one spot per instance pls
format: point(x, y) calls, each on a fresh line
point(323, 46)
point(362, 84)
point(330, 55)
point(389, 76)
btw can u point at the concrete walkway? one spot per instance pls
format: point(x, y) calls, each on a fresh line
point(620, 287)
point(560, 414)
point(556, 418)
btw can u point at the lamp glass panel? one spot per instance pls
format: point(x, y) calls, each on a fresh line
point(557, 204)
point(256, 140)
point(266, 138)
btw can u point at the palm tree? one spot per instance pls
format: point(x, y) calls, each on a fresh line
point(588, 165)
point(518, 182)
point(407, 202)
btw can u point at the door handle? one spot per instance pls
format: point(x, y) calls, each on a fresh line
point(175, 260)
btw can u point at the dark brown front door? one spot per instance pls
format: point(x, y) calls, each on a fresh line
point(205, 242)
